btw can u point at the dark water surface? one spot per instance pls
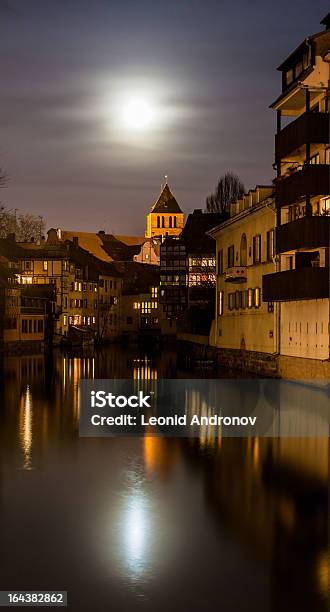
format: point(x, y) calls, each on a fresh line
point(153, 524)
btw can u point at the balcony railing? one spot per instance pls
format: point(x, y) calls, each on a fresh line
point(312, 180)
point(304, 233)
point(300, 284)
point(236, 274)
point(308, 128)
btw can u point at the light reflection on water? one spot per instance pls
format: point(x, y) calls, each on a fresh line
point(198, 515)
point(25, 428)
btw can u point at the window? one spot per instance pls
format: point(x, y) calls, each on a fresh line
point(129, 320)
point(40, 326)
point(327, 156)
point(270, 245)
point(45, 266)
point(174, 221)
point(257, 248)
point(220, 261)
point(220, 303)
point(243, 251)
point(250, 298)
point(27, 265)
point(163, 221)
point(237, 300)
point(65, 320)
point(231, 301)
point(289, 76)
point(299, 69)
point(170, 222)
point(136, 305)
point(158, 225)
point(315, 159)
point(244, 299)
point(325, 206)
point(231, 256)
point(305, 61)
point(257, 297)
point(154, 292)
point(271, 307)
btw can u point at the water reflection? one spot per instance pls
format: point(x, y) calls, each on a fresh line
point(177, 522)
point(25, 428)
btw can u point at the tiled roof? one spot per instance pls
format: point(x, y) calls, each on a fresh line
point(166, 203)
point(107, 247)
point(89, 241)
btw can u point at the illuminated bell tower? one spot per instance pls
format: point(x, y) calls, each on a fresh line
point(165, 217)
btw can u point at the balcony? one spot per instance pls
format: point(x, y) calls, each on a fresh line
point(308, 128)
point(300, 284)
point(313, 180)
point(304, 233)
point(237, 274)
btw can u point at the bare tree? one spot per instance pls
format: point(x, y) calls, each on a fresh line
point(29, 227)
point(228, 189)
point(26, 227)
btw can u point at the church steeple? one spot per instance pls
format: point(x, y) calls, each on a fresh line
point(166, 217)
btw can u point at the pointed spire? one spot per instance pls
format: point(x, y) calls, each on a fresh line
point(166, 201)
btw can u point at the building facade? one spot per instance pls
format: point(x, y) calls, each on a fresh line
point(245, 252)
point(302, 190)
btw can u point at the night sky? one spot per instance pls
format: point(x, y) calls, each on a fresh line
point(68, 67)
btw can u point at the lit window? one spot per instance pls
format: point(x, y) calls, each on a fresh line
point(257, 248)
point(325, 206)
point(65, 320)
point(220, 303)
point(257, 297)
point(250, 298)
point(270, 245)
point(45, 266)
point(327, 156)
point(94, 320)
point(315, 159)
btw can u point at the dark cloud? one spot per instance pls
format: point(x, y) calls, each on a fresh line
point(213, 63)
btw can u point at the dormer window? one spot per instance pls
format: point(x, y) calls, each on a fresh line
point(289, 76)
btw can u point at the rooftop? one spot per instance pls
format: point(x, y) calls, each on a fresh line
point(166, 202)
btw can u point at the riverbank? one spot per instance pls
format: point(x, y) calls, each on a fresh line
point(260, 364)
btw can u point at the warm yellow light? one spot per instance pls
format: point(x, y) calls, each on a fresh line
point(138, 114)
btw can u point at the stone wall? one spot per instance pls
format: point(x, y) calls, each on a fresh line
point(260, 364)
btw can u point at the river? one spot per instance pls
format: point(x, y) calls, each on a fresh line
point(125, 524)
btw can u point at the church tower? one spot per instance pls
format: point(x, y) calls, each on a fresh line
point(166, 217)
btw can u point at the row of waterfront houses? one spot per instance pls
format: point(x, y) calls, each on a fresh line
point(251, 284)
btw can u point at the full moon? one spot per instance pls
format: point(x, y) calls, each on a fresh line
point(138, 114)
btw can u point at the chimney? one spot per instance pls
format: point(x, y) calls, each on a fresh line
point(75, 240)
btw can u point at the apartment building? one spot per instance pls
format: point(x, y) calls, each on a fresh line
point(300, 286)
